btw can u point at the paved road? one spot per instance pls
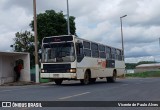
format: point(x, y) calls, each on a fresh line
point(136, 89)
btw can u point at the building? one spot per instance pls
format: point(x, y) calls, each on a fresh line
point(8, 61)
point(147, 67)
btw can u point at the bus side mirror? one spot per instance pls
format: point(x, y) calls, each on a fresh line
point(79, 45)
point(79, 50)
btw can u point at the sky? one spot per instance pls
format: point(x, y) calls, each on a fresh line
point(96, 20)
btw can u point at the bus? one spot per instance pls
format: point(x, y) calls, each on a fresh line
point(68, 57)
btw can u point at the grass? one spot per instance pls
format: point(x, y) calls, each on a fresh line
point(145, 74)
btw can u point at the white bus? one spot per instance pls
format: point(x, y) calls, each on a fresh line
point(69, 57)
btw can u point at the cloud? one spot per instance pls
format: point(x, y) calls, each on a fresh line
point(139, 59)
point(6, 39)
point(12, 20)
point(95, 20)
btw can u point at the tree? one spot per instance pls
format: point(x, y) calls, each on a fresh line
point(145, 62)
point(51, 23)
point(23, 42)
point(131, 65)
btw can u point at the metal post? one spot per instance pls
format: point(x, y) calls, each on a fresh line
point(36, 45)
point(122, 37)
point(68, 24)
point(159, 42)
point(122, 40)
point(122, 34)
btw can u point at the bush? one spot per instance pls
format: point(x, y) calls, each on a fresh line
point(145, 74)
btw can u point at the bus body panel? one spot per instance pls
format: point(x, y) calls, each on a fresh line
point(91, 64)
point(97, 68)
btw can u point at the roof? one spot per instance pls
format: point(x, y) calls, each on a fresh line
point(13, 53)
point(148, 65)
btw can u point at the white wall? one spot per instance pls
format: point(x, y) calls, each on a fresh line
point(130, 71)
point(25, 72)
point(6, 69)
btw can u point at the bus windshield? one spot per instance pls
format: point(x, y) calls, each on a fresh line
point(58, 52)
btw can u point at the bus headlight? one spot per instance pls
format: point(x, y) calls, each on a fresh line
point(72, 70)
point(43, 71)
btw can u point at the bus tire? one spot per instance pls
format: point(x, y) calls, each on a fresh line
point(113, 78)
point(58, 81)
point(86, 79)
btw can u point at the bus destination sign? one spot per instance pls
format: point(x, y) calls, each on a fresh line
point(57, 39)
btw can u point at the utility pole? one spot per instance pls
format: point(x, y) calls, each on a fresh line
point(68, 24)
point(122, 34)
point(159, 42)
point(36, 44)
point(122, 39)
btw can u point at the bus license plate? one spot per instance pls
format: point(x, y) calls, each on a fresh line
point(56, 75)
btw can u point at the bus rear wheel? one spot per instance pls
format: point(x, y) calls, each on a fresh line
point(113, 78)
point(58, 81)
point(86, 79)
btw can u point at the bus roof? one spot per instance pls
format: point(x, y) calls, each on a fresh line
point(76, 37)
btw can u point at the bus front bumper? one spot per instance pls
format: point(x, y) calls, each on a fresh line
point(58, 75)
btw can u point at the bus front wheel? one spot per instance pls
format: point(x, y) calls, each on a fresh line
point(86, 78)
point(58, 81)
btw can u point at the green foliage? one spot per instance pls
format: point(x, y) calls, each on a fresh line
point(145, 62)
point(145, 74)
point(131, 65)
point(23, 42)
point(51, 23)
point(72, 25)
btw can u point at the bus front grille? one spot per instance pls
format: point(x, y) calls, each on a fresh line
point(56, 68)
